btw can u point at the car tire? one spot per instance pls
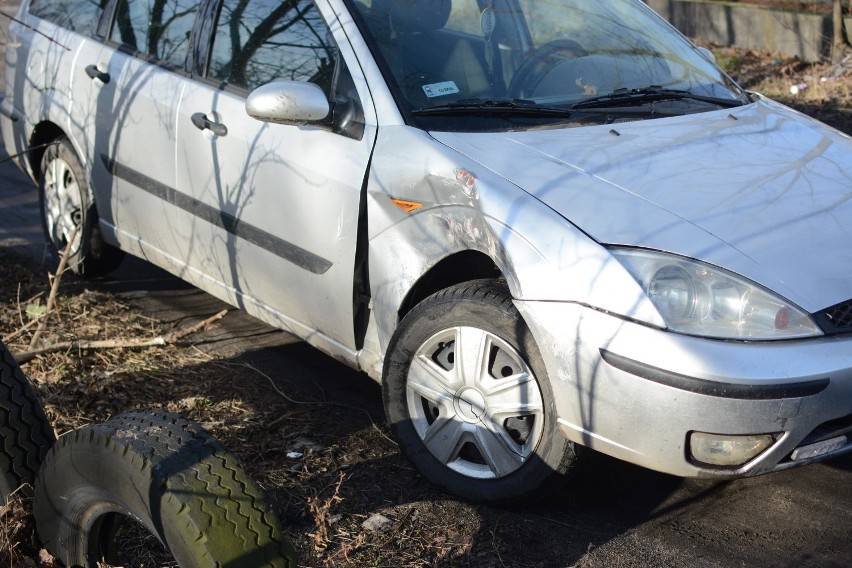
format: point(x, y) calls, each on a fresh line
point(164, 473)
point(479, 420)
point(25, 433)
point(66, 201)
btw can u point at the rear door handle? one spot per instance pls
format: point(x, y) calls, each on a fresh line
point(95, 73)
point(201, 122)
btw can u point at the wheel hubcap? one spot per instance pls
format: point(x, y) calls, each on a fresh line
point(470, 405)
point(63, 209)
point(474, 402)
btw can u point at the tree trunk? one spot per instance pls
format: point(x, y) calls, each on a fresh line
point(840, 45)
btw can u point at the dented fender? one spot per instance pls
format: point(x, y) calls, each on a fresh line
point(428, 202)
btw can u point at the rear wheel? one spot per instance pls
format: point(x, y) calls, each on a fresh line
point(155, 482)
point(66, 204)
point(25, 433)
point(468, 398)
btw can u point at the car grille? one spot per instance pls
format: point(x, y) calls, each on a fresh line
point(829, 429)
point(834, 435)
point(836, 319)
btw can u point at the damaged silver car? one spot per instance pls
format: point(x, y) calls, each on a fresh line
point(540, 224)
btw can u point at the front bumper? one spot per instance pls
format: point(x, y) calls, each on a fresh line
point(636, 392)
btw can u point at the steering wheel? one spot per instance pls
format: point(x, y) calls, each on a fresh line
point(539, 63)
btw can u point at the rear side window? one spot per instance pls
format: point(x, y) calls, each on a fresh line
point(257, 41)
point(159, 28)
point(80, 16)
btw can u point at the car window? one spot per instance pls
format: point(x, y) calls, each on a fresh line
point(465, 17)
point(548, 53)
point(159, 28)
point(80, 16)
point(257, 41)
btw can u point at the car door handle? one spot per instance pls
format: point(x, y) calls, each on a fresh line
point(95, 73)
point(201, 122)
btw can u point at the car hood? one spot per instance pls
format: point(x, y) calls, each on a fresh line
point(760, 189)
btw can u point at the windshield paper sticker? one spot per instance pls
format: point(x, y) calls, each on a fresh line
point(440, 89)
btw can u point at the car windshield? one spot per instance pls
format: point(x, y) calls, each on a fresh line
point(500, 57)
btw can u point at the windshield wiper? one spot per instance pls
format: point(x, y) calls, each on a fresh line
point(648, 94)
point(498, 106)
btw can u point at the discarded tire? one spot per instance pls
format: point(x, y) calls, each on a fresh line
point(25, 433)
point(164, 473)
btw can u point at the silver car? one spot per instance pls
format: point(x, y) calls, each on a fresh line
point(540, 224)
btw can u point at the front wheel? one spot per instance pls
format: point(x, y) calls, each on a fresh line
point(468, 399)
point(68, 212)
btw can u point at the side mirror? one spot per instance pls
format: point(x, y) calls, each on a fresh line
point(288, 102)
point(708, 55)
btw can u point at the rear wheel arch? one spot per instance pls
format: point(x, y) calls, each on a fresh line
point(43, 134)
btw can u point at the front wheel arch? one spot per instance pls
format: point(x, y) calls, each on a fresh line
point(457, 268)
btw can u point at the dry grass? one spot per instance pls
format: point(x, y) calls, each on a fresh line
point(16, 533)
point(320, 508)
point(824, 91)
point(138, 548)
point(344, 469)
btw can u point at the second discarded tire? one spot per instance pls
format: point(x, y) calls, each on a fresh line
point(165, 473)
point(25, 433)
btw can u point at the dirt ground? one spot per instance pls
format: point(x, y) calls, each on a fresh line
point(823, 91)
point(311, 432)
point(314, 437)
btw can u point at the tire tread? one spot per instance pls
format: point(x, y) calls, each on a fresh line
point(25, 433)
point(218, 505)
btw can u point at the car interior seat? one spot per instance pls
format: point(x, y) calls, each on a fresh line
point(421, 52)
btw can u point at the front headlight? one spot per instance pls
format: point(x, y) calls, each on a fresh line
point(700, 299)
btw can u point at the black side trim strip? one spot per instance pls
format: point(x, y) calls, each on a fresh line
point(714, 388)
point(279, 247)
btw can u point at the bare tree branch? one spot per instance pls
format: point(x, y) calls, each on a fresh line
point(160, 340)
point(51, 299)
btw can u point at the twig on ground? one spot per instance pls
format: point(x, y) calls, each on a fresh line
point(24, 327)
point(51, 299)
point(160, 340)
point(274, 386)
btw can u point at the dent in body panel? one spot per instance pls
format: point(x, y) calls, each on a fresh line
point(763, 195)
point(409, 165)
point(467, 207)
point(253, 306)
